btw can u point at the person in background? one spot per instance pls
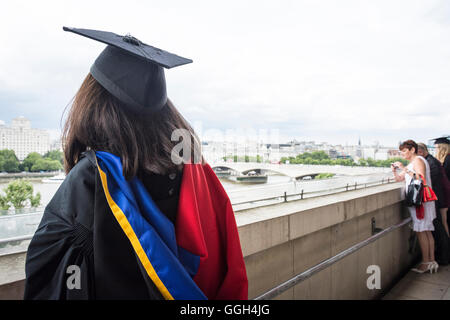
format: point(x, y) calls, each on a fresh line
point(443, 153)
point(437, 181)
point(441, 233)
point(419, 166)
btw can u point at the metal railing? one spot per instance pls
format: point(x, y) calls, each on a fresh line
point(272, 293)
point(14, 239)
point(22, 237)
point(311, 194)
point(275, 199)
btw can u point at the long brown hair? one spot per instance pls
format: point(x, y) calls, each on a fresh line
point(442, 151)
point(99, 121)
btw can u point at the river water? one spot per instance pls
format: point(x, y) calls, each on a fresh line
point(242, 196)
point(276, 185)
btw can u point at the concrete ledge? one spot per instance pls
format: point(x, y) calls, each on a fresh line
point(264, 227)
point(12, 267)
point(12, 275)
point(282, 240)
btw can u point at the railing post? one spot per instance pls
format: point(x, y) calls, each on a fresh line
point(374, 227)
point(347, 188)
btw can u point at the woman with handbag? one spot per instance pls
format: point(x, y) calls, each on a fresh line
point(423, 214)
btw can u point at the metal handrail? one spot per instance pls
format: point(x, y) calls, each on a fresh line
point(285, 197)
point(348, 187)
point(23, 237)
point(326, 263)
point(20, 238)
point(8, 216)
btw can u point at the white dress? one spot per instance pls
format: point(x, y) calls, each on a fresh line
point(425, 224)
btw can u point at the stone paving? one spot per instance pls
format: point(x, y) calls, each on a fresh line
point(422, 286)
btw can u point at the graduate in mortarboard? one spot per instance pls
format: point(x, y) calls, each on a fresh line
point(443, 153)
point(141, 214)
point(442, 145)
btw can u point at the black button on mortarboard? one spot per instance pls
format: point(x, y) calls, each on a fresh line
point(130, 39)
point(131, 70)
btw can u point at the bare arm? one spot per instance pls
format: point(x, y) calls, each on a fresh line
point(419, 168)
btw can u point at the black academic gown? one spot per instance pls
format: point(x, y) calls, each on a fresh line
point(436, 174)
point(442, 241)
point(447, 172)
point(78, 228)
point(446, 165)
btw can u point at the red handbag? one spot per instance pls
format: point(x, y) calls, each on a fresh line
point(428, 195)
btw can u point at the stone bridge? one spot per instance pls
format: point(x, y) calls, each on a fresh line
point(295, 171)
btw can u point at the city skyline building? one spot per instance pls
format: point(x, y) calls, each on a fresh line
point(22, 138)
point(218, 150)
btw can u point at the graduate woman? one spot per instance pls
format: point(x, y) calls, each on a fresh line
point(138, 216)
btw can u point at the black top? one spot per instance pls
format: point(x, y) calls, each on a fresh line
point(436, 180)
point(446, 165)
point(165, 191)
point(78, 228)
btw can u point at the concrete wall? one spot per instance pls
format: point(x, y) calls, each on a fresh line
point(12, 275)
point(280, 241)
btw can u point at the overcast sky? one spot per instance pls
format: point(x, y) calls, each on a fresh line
point(312, 70)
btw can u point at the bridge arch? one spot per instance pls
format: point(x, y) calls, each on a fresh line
point(312, 175)
point(264, 170)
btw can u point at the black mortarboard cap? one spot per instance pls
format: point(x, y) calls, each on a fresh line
point(442, 140)
point(131, 70)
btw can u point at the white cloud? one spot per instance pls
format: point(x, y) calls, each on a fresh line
point(325, 70)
